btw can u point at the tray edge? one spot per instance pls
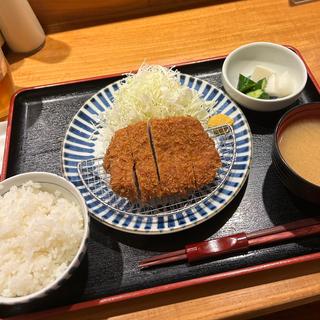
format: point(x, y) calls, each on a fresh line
point(166, 288)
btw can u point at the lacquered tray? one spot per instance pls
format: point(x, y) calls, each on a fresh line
point(37, 124)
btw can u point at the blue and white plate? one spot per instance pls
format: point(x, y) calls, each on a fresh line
point(79, 146)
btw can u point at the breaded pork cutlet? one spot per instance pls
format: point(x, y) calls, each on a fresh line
point(205, 157)
point(161, 158)
point(173, 160)
point(144, 164)
point(119, 163)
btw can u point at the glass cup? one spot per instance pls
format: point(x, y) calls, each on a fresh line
point(6, 86)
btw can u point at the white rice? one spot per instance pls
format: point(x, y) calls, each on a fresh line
point(40, 233)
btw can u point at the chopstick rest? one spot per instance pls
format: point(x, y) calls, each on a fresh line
point(216, 247)
point(236, 242)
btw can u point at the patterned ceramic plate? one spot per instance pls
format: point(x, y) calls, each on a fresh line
point(78, 146)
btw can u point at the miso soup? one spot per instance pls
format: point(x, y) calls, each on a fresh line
point(299, 145)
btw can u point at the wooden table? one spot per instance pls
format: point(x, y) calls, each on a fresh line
point(172, 37)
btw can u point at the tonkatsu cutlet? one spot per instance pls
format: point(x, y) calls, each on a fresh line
point(161, 158)
point(118, 161)
point(205, 157)
point(144, 164)
point(172, 157)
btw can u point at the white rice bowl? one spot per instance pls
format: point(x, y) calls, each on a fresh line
point(42, 232)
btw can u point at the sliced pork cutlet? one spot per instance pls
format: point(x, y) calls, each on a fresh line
point(115, 148)
point(145, 167)
point(118, 161)
point(173, 161)
point(205, 157)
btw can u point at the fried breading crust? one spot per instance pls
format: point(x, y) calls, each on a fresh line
point(165, 157)
point(119, 163)
point(173, 160)
point(145, 166)
point(205, 157)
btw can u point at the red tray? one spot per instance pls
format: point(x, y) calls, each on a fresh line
point(13, 133)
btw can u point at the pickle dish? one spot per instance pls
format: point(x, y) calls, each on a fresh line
point(264, 76)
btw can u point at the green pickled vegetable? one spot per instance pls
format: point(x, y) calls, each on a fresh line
point(245, 84)
point(261, 84)
point(255, 93)
point(264, 95)
point(253, 89)
point(259, 93)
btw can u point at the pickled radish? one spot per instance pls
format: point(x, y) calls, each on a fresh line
point(261, 72)
point(284, 84)
point(271, 86)
point(265, 83)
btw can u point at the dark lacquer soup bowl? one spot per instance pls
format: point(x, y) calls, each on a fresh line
point(296, 151)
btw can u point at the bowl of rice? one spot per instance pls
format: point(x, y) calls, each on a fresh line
point(44, 228)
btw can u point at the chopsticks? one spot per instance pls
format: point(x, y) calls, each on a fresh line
point(236, 242)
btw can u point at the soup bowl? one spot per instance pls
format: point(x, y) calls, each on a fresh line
point(297, 182)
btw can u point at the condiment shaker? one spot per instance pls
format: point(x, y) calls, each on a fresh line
point(20, 26)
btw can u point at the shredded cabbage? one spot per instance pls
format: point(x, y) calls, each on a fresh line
point(153, 92)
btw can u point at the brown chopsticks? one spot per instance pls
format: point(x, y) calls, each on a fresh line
point(236, 242)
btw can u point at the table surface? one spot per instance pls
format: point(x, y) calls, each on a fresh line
point(168, 38)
